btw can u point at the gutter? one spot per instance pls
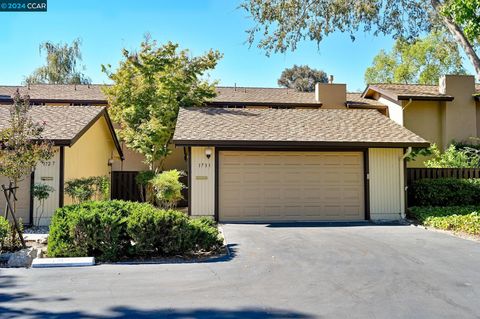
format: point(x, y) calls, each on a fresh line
point(403, 187)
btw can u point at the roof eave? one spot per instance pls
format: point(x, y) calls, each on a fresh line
point(424, 98)
point(298, 144)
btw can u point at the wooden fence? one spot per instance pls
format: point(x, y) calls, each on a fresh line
point(125, 187)
point(414, 174)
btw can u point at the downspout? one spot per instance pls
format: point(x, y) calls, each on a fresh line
point(409, 102)
point(403, 188)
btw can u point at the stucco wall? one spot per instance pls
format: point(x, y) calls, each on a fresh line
point(135, 161)
point(386, 179)
point(89, 156)
point(425, 118)
point(202, 192)
point(395, 111)
point(460, 114)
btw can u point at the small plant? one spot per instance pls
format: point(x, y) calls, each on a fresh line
point(41, 192)
point(8, 240)
point(4, 232)
point(87, 188)
point(168, 188)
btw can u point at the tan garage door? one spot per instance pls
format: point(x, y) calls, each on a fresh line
point(290, 186)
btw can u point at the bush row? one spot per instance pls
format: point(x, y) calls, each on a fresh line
point(465, 219)
point(446, 192)
point(111, 230)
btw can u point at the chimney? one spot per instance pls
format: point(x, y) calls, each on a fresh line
point(331, 95)
point(459, 115)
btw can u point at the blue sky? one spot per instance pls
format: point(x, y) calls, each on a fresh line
point(107, 26)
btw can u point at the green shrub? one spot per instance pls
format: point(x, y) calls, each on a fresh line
point(86, 188)
point(453, 157)
point(168, 188)
point(465, 219)
point(9, 237)
point(90, 229)
point(4, 231)
point(111, 230)
point(446, 192)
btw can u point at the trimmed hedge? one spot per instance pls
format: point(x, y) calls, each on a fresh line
point(111, 230)
point(446, 192)
point(464, 219)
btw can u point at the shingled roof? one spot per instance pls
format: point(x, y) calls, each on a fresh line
point(64, 125)
point(410, 91)
point(57, 93)
point(63, 93)
point(290, 127)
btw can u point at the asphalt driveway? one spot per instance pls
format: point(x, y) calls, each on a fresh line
point(275, 271)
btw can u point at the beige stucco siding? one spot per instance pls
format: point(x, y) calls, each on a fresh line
point(424, 118)
point(89, 156)
point(460, 114)
point(135, 161)
point(395, 111)
point(386, 179)
point(202, 178)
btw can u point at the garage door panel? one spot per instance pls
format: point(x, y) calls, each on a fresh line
point(279, 186)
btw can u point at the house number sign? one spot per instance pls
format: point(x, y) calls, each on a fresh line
point(204, 165)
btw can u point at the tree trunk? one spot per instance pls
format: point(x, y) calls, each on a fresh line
point(460, 38)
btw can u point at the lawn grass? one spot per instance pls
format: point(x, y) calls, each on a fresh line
point(459, 219)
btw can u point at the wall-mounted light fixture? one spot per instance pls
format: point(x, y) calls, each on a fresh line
point(110, 162)
point(208, 152)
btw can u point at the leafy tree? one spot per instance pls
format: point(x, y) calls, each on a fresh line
point(453, 158)
point(149, 87)
point(284, 23)
point(302, 78)
point(61, 65)
point(22, 145)
point(421, 61)
point(466, 14)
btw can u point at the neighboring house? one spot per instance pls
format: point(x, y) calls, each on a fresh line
point(335, 157)
point(85, 145)
point(440, 113)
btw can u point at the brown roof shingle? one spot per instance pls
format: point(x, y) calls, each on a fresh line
point(57, 92)
point(290, 127)
point(225, 95)
point(62, 123)
point(262, 95)
point(407, 91)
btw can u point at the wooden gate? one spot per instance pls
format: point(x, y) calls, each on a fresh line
point(124, 186)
